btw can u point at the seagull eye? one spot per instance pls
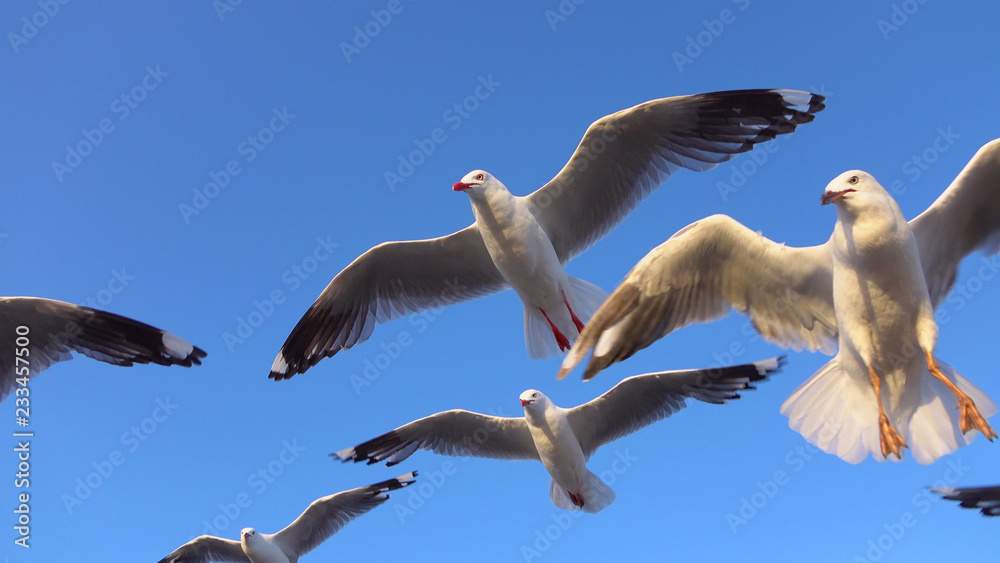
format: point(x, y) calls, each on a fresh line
point(533, 395)
point(853, 180)
point(479, 176)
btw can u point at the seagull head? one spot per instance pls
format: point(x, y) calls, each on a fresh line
point(248, 535)
point(850, 186)
point(533, 399)
point(477, 182)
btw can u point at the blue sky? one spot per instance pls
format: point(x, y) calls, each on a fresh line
point(265, 99)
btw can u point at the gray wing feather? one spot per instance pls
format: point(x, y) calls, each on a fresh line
point(624, 156)
point(965, 218)
point(454, 433)
point(389, 281)
point(641, 400)
point(698, 275)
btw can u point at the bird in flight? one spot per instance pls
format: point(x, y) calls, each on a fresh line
point(323, 518)
point(871, 290)
point(564, 439)
point(522, 242)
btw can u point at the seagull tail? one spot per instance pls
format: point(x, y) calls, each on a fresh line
point(588, 298)
point(599, 496)
point(537, 335)
point(935, 428)
point(596, 496)
point(836, 414)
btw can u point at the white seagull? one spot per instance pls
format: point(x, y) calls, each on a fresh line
point(523, 242)
point(36, 333)
point(564, 439)
point(323, 518)
point(987, 499)
point(873, 287)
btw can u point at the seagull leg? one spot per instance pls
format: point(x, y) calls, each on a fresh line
point(577, 499)
point(576, 320)
point(561, 339)
point(969, 416)
point(890, 440)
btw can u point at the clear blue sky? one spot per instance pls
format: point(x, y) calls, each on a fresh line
point(197, 86)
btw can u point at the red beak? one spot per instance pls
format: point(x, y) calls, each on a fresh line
point(830, 197)
point(462, 186)
point(524, 403)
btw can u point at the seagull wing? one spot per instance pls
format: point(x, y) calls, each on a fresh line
point(389, 281)
point(697, 276)
point(624, 156)
point(52, 329)
point(204, 549)
point(641, 400)
point(326, 516)
point(965, 218)
point(986, 499)
point(455, 433)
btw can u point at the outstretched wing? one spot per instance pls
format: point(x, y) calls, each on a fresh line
point(389, 281)
point(965, 218)
point(454, 432)
point(53, 329)
point(987, 499)
point(205, 549)
point(326, 516)
point(700, 273)
point(641, 400)
point(624, 156)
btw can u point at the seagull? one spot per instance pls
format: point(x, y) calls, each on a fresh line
point(869, 293)
point(36, 332)
point(523, 242)
point(985, 498)
point(564, 439)
point(324, 517)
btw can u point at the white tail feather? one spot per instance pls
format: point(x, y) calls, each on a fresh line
point(597, 495)
point(586, 298)
point(538, 335)
point(935, 429)
point(840, 416)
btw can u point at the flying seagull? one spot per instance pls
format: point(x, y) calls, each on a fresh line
point(564, 439)
point(986, 499)
point(523, 242)
point(872, 288)
point(36, 333)
point(323, 518)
